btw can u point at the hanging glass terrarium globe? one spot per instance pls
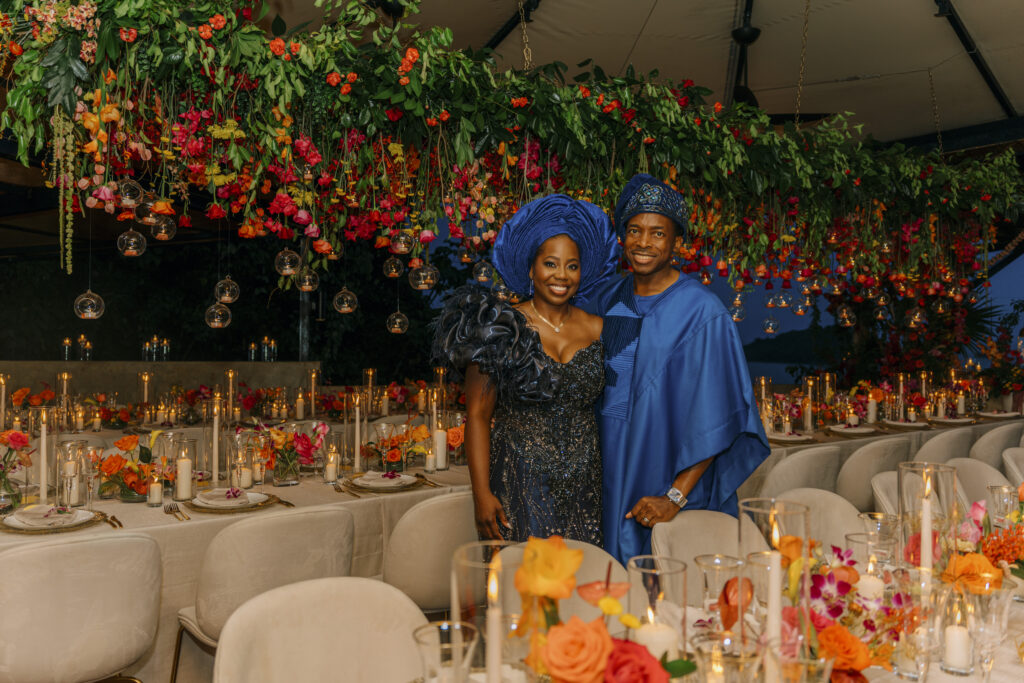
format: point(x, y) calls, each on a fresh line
point(393, 267)
point(397, 323)
point(307, 281)
point(164, 228)
point(483, 271)
point(432, 275)
point(801, 308)
point(501, 292)
point(783, 299)
point(287, 262)
point(144, 209)
point(871, 293)
point(130, 191)
point(465, 258)
point(345, 301)
point(972, 299)
point(402, 243)
point(845, 316)
point(769, 301)
point(882, 314)
point(217, 316)
point(886, 247)
point(705, 277)
point(738, 299)
point(337, 251)
point(417, 279)
point(131, 242)
point(883, 299)
point(916, 318)
point(941, 307)
point(226, 291)
point(89, 305)
point(738, 313)
point(770, 325)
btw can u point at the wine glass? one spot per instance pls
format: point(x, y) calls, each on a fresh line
point(989, 611)
point(90, 471)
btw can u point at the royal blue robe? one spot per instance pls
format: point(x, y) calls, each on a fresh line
point(677, 391)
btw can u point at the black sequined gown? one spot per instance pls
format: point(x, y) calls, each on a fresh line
point(545, 464)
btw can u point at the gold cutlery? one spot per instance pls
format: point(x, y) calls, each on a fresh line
point(116, 521)
point(285, 503)
point(421, 477)
point(168, 510)
point(108, 521)
point(179, 511)
point(345, 488)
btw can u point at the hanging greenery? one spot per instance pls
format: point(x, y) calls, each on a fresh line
point(362, 132)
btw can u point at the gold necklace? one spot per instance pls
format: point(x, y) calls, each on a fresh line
point(556, 328)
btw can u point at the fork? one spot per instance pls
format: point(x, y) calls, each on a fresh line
point(178, 510)
point(116, 521)
point(169, 510)
point(344, 489)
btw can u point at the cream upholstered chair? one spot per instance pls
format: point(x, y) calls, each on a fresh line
point(885, 486)
point(944, 446)
point(865, 462)
point(990, 446)
point(418, 557)
point(323, 630)
point(831, 515)
point(1013, 465)
point(259, 553)
point(77, 609)
point(974, 477)
point(594, 568)
point(703, 532)
point(815, 468)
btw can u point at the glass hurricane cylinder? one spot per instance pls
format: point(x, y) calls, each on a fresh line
point(446, 649)
point(483, 594)
point(657, 597)
point(927, 510)
point(918, 597)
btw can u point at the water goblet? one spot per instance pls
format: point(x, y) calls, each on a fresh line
point(988, 614)
point(881, 523)
point(1004, 501)
point(716, 570)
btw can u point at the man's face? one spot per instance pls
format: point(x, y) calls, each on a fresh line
point(649, 243)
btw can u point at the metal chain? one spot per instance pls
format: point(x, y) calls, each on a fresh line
point(803, 62)
point(935, 110)
point(527, 53)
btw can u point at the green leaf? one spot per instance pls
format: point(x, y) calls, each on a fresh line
point(678, 667)
point(278, 27)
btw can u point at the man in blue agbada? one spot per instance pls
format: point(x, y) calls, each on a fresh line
point(679, 425)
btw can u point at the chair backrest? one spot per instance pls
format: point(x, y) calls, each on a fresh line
point(418, 556)
point(594, 568)
point(266, 551)
point(831, 515)
point(865, 462)
point(91, 439)
point(944, 446)
point(990, 446)
point(703, 532)
point(885, 486)
point(815, 468)
point(332, 629)
point(974, 477)
point(78, 609)
point(1013, 465)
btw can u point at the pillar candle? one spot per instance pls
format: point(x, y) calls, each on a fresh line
point(43, 473)
point(215, 466)
point(421, 402)
point(659, 639)
point(300, 408)
point(961, 405)
point(183, 478)
point(97, 423)
point(236, 414)
point(3, 400)
point(257, 471)
point(357, 443)
point(926, 530)
point(156, 493)
point(312, 393)
point(787, 426)
point(441, 448)
point(872, 411)
point(385, 406)
point(79, 419)
point(940, 410)
point(870, 587)
point(957, 653)
point(330, 472)
point(773, 619)
point(145, 387)
point(161, 415)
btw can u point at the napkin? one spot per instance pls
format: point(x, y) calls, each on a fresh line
point(378, 480)
point(218, 498)
point(42, 516)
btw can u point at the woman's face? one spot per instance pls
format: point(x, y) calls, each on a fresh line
point(556, 270)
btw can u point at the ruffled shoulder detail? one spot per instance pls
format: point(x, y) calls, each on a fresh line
point(475, 327)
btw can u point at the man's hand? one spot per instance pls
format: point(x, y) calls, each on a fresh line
point(650, 510)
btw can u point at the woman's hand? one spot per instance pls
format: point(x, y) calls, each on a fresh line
point(650, 510)
point(489, 514)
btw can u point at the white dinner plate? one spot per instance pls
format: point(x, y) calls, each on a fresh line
point(843, 430)
point(999, 415)
point(74, 519)
point(952, 420)
point(790, 438)
point(377, 481)
point(253, 499)
point(907, 425)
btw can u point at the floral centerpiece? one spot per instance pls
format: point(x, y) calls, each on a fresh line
point(392, 451)
point(127, 473)
point(14, 455)
point(1001, 547)
point(575, 650)
point(24, 395)
point(115, 418)
point(287, 452)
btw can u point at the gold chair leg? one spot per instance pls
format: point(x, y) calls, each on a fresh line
point(177, 654)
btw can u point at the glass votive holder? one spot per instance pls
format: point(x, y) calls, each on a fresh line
point(483, 591)
point(446, 649)
point(881, 523)
point(155, 494)
point(871, 547)
point(920, 597)
point(332, 463)
point(726, 657)
point(957, 644)
point(1004, 501)
point(657, 597)
point(716, 570)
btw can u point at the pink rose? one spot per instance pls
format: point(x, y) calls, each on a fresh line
point(978, 511)
point(17, 440)
point(302, 217)
point(312, 230)
point(969, 532)
point(427, 236)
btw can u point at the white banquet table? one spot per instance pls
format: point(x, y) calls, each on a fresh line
point(183, 544)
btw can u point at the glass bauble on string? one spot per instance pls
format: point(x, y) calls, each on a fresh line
point(397, 323)
point(465, 258)
point(144, 209)
point(307, 281)
point(345, 301)
point(131, 243)
point(337, 251)
point(770, 301)
point(801, 308)
point(130, 191)
point(738, 313)
point(226, 291)
point(417, 279)
point(941, 307)
point(402, 243)
point(483, 271)
point(770, 325)
point(738, 299)
point(845, 316)
point(784, 300)
point(882, 314)
point(501, 292)
point(89, 305)
point(916, 318)
point(705, 277)
point(393, 267)
point(287, 262)
point(163, 228)
point(217, 316)
point(883, 299)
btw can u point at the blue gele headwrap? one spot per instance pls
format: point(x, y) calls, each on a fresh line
point(540, 220)
point(646, 194)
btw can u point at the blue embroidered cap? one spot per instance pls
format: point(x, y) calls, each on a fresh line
point(646, 194)
point(537, 221)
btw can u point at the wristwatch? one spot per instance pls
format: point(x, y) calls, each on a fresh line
point(677, 497)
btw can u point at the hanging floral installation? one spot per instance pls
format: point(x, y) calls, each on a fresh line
point(386, 137)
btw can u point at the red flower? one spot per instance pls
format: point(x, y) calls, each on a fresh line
point(518, 102)
point(431, 121)
point(404, 80)
point(445, 115)
point(584, 91)
point(394, 114)
point(346, 89)
point(184, 222)
point(128, 35)
point(351, 77)
point(218, 21)
point(683, 101)
point(632, 663)
point(295, 47)
point(648, 140)
point(205, 32)
point(215, 212)
point(718, 107)
point(277, 46)
point(14, 48)
point(333, 78)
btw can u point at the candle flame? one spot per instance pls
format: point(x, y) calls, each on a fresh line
point(492, 580)
point(650, 614)
point(776, 533)
point(927, 486)
point(871, 564)
point(43, 416)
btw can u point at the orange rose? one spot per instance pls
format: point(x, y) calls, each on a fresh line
point(47, 394)
point(577, 652)
point(394, 455)
point(112, 465)
point(848, 650)
point(35, 400)
point(218, 21)
point(127, 443)
point(124, 415)
point(346, 89)
point(205, 32)
point(18, 397)
point(548, 568)
point(974, 572)
point(322, 247)
point(847, 574)
point(163, 206)
point(456, 436)
point(792, 548)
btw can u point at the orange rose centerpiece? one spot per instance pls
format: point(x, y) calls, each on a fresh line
point(577, 652)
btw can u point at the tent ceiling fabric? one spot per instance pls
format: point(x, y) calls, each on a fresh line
point(870, 57)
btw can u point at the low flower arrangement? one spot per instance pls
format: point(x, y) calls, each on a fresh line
point(289, 451)
point(575, 650)
point(1003, 547)
point(392, 451)
point(128, 473)
point(118, 418)
point(24, 396)
point(14, 455)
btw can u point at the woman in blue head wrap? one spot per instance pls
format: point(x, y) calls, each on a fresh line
point(533, 372)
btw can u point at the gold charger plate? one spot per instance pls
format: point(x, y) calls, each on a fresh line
point(97, 518)
point(271, 500)
point(353, 481)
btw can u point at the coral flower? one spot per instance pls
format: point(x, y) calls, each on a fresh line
point(322, 247)
point(205, 32)
point(19, 396)
point(277, 46)
point(548, 569)
point(112, 465)
point(577, 652)
point(128, 35)
point(333, 78)
point(218, 21)
point(127, 443)
point(345, 89)
point(162, 206)
point(849, 651)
